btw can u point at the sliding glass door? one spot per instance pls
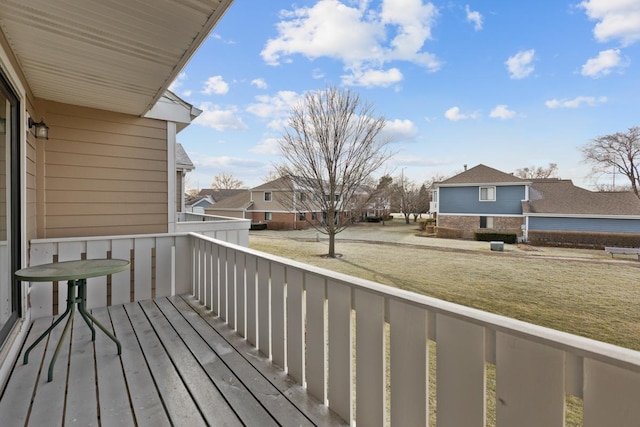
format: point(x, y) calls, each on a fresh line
point(9, 209)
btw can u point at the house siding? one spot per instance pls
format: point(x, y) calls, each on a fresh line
point(607, 225)
point(105, 173)
point(465, 200)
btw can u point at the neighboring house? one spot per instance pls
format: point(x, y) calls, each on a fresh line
point(274, 204)
point(483, 198)
point(208, 196)
point(558, 205)
point(184, 165)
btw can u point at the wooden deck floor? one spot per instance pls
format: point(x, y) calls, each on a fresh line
point(179, 366)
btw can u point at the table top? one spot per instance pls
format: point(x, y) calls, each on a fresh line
point(72, 270)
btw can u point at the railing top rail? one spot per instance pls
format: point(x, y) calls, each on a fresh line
point(580, 346)
point(116, 237)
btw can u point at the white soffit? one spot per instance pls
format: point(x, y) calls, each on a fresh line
point(116, 55)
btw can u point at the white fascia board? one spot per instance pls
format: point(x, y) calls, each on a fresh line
point(590, 216)
point(485, 184)
point(481, 214)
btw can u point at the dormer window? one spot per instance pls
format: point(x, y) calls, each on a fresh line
point(487, 194)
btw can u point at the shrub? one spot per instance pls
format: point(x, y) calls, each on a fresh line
point(449, 233)
point(578, 239)
point(496, 236)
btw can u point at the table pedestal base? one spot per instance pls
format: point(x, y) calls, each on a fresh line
point(73, 298)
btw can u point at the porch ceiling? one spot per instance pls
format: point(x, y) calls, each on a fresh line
point(117, 55)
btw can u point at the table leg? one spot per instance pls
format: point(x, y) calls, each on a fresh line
point(82, 297)
point(70, 302)
point(82, 292)
point(64, 332)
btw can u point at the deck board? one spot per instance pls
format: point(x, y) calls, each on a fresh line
point(180, 365)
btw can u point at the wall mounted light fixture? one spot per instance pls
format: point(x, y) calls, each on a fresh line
point(41, 130)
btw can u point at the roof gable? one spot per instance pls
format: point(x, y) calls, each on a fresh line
point(482, 174)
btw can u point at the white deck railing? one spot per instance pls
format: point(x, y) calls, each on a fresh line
point(344, 338)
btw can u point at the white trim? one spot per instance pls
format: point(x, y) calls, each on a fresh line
point(487, 187)
point(171, 176)
point(483, 214)
point(485, 184)
point(587, 216)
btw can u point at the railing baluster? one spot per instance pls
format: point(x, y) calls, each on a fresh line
point(278, 338)
point(223, 283)
point(409, 361)
point(315, 360)
point(252, 313)
point(97, 286)
point(340, 382)
point(529, 383)
point(295, 324)
point(264, 306)
point(370, 359)
point(460, 373)
point(241, 292)
point(611, 395)
point(121, 282)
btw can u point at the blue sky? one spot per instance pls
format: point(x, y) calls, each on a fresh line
point(505, 83)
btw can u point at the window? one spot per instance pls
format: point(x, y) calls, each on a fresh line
point(486, 222)
point(303, 197)
point(487, 194)
point(303, 216)
point(314, 216)
point(267, 196)
point(267, 216)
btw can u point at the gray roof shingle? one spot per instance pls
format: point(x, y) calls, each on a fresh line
point(556, 196)
point(482, 174)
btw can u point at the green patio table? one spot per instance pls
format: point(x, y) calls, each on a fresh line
point(76, 274)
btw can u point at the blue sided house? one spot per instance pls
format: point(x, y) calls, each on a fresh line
point(486, 199)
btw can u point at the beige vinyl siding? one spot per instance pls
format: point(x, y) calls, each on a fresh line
point(104, 173)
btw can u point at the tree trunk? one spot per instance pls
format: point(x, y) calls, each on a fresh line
point(332, 245)
point(406, 218)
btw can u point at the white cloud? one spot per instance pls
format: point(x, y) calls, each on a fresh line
point(267, 146)
point(219, 119)
point(178, 82)
point(617, 19)
point(357, 36)
point(519, 65)
point(259, 83)
point(579, 101)
point(225, 161)
point(370, 78)
point(215, 85)
point(399, 130)
point(603, 64)
point(276, 108)
point(455, 115)
point(502, 112)
point(317, 74)
point(475, 17)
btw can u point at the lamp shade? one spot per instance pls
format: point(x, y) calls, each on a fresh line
point(41, 130)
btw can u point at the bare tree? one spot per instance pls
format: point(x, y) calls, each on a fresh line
point(331, 147)
point(616, 153)
point(537, 172)
point(226, 181)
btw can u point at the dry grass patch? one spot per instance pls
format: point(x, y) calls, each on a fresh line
point(593, 299)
